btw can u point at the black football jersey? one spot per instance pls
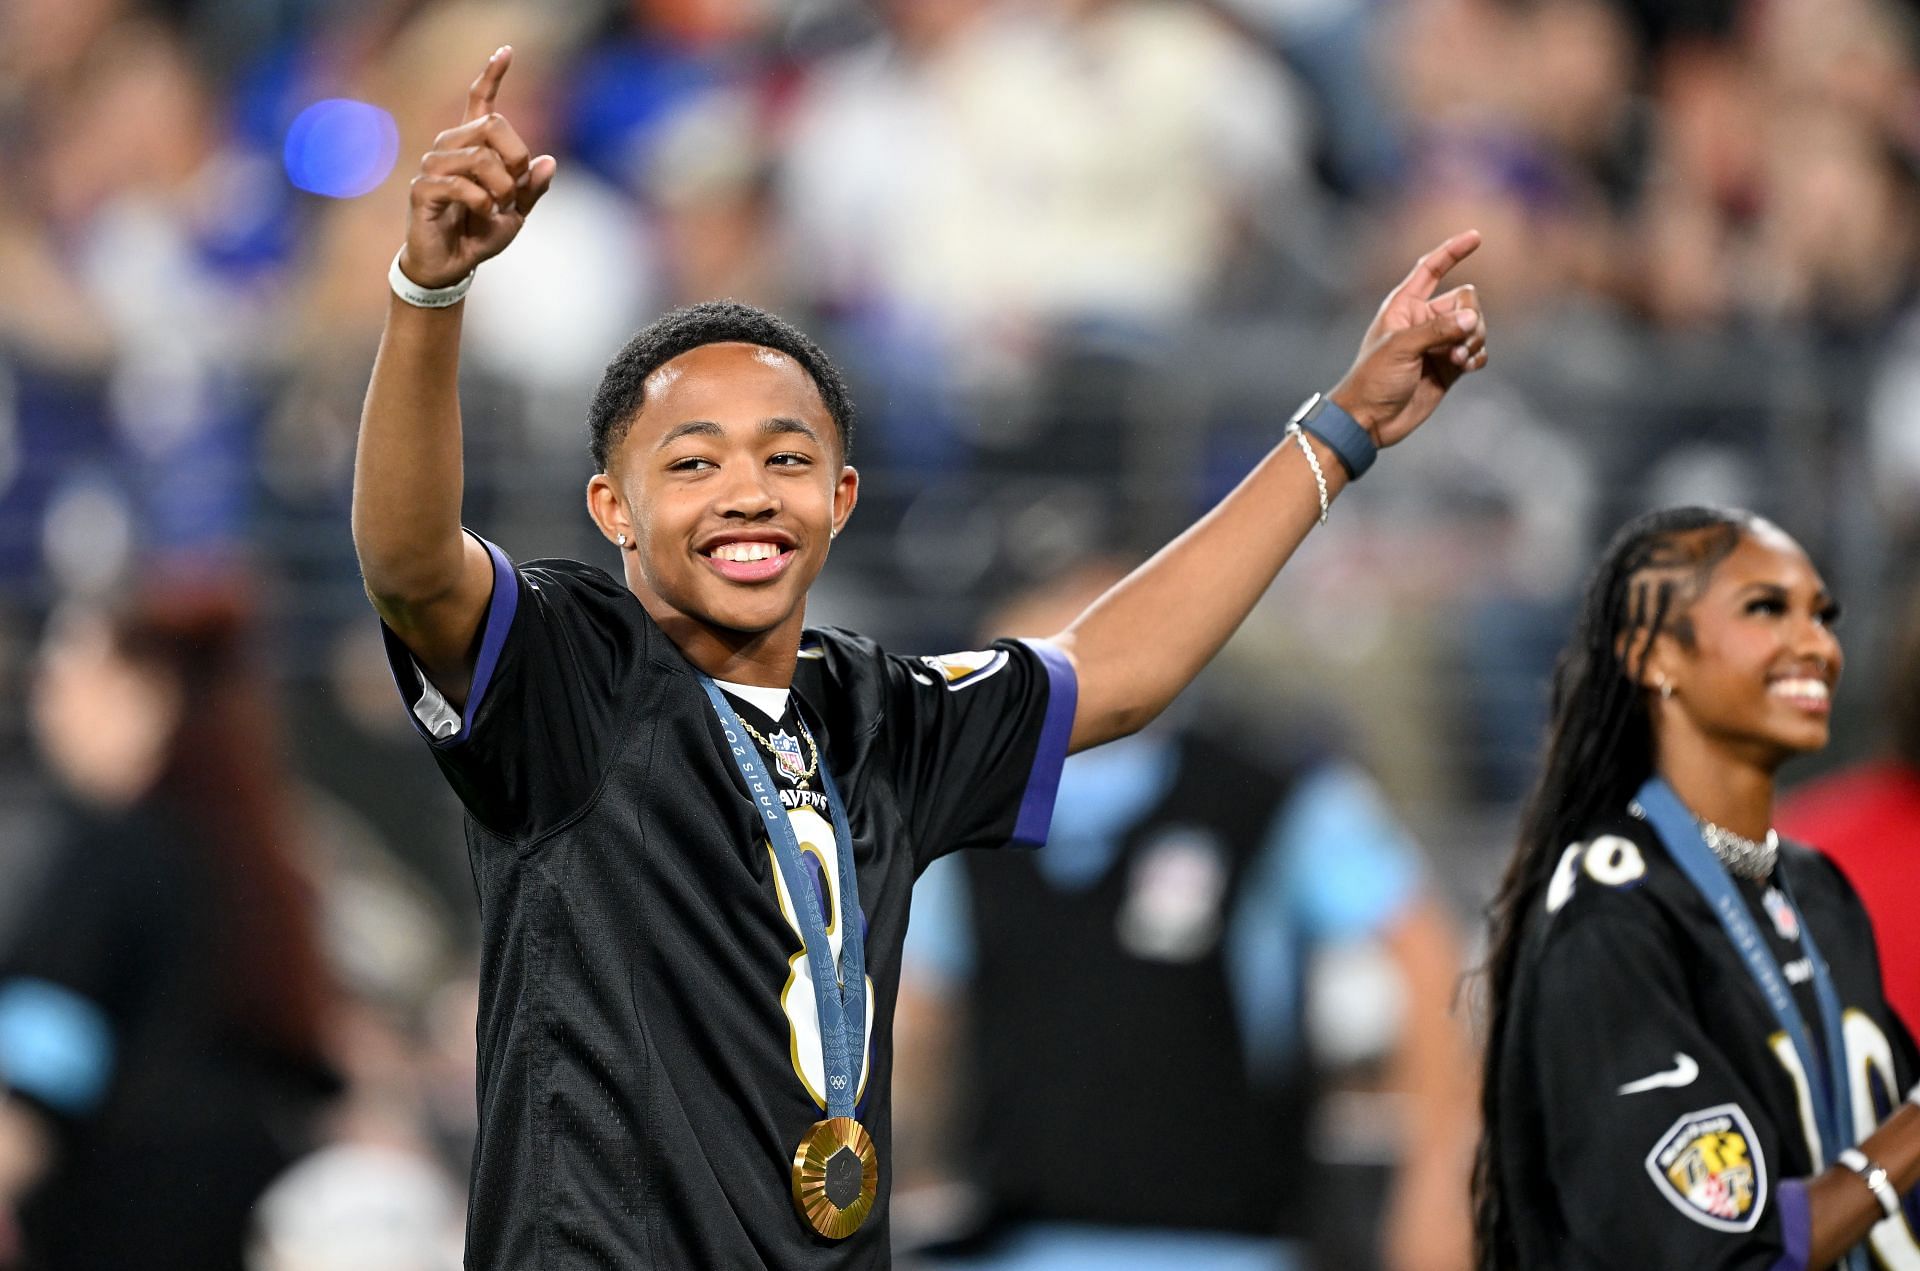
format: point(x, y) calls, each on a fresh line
point(649, 1041)
point(1069, 1020)
point(1654, 1113)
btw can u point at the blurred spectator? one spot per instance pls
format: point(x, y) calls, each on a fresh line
point(382, 1193)
point(1140, 986)
point(1867, 818)
point(660, 56)
point(989, 172)
point(679, 105)
point(163, 1003)
point(1891, 447)
point(134, 267)
point(710, 187)
point(359, 1208)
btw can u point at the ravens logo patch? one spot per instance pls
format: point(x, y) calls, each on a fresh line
point(960, 670)
point(1709, 1167)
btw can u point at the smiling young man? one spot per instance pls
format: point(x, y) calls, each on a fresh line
point(694, 824)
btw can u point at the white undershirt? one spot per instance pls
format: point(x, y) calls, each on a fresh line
point(433, 710)
point(771, 702)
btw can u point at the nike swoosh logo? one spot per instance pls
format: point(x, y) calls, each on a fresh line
point(923, 679)
point(1682, 1073)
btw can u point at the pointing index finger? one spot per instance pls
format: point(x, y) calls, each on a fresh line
point(1432, 267)
point(486, 86)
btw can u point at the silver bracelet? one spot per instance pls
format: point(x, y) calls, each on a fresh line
point(1299, 434)
point(425, 297)
point(1875, 1176)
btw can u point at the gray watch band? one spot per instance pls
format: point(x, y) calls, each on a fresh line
point(1322, 417)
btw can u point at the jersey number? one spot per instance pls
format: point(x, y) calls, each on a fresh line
point(821, 857)
point(1869, 1069)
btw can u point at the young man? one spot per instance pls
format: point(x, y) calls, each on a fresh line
point(693, 826)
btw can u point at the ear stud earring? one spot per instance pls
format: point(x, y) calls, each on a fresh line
point(620, 541)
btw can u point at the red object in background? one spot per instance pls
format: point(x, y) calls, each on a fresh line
point(1867, 819)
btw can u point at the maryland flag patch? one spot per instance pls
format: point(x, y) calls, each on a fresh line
point(1709, 1167)
point(962, 670)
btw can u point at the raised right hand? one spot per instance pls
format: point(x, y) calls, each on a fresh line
point(474, 188)
point(1418, 345)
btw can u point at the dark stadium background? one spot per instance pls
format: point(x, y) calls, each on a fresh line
point(1081, 259)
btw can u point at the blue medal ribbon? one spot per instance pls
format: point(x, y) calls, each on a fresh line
point(840, 995)
point(1679, 829)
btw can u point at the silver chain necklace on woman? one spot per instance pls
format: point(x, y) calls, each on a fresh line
point(1749, 858)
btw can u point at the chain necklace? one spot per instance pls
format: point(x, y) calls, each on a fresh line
point(799, 779)
point(1749, 858)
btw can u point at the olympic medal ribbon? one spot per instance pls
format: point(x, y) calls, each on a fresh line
point(840, 993)
point(1679, 829)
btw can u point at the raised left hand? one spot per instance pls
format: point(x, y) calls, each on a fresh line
point(1416, 347)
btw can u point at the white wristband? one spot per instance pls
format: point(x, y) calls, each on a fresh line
point(1874, 1175)
point(425, 297)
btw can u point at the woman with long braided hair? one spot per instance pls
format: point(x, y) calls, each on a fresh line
point(1690, 1061)
point(165, 1000)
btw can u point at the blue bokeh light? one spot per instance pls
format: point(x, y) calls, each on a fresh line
point(341, 148)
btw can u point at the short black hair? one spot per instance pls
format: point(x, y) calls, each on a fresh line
point(623, 388)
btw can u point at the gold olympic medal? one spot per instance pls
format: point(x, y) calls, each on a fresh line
point(836, 1177)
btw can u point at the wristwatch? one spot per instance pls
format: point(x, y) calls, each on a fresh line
point(1323, 417)
point(1874, 1175)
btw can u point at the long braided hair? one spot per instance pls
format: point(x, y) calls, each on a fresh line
point(225, 777)
point(1599, 751)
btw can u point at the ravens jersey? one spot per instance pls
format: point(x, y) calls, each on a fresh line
point(1654, 1114)
point(649, 1042)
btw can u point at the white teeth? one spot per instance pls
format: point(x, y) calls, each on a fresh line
point(745, 551)
point(1814, 689)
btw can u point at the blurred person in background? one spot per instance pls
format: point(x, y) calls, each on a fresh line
point(995, 169)
point(164, 999)
point(382, 1191)
point(1690, 1057)
point(985, 188)
point(650, 61)
point(1867, 818)
point(136, 263)
point(1162, 941)
point(1520, 114)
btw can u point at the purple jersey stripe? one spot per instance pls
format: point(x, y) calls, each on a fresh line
point(1043, 784)
point(1796, 1226)
point(500, 610)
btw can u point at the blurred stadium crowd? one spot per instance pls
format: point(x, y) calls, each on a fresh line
point(1080, 259)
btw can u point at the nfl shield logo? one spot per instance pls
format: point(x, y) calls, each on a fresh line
point(786, 755)
point(1785, 921)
